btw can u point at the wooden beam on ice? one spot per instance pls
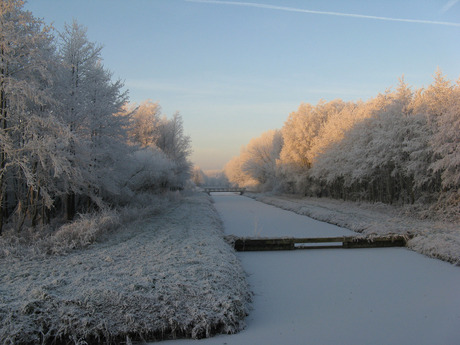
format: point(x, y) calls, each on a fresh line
point(289, 243)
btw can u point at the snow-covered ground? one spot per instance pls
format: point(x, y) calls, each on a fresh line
point(435, 238)
point(172, 274)
point(169, 275)
point(338, 296)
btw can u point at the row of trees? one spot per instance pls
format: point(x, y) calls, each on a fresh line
point(68, 142)
point(210, 178)
point(402, 146)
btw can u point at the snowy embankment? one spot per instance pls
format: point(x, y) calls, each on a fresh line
point(438, 239)
point(171, 275)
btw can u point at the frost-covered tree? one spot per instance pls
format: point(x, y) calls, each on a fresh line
point(373, 160)
point(401, 146)
point(235, 174)
point(64, 143)
point(149, 170)
point(105, 100)
point(298, 133)
point(440, 103)
point(404, 151)
point(78, 57)
point(446, 142)
point(149, 128)
point(104, 130)
point(144, 122)
point(339, 120)
point(176, 145)
point(303, 134)
point(31, 137)
point(197, 176)
point(259, 158)
point(171, 138)
point(216, 178)
point(88, 104)
point(256, 166)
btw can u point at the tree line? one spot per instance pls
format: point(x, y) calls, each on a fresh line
point(400, 147)
point(69, 141)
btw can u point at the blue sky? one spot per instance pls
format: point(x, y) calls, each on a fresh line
point(234, 71)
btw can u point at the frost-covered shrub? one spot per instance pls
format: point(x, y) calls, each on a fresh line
point(143, 172)
point(144, 205)
point(84, 231)
point(149, 170)
point(59, 239)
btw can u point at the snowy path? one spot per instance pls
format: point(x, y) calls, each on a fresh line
point(338, 296)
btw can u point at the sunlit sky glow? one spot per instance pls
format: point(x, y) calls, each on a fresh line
point(235, 69)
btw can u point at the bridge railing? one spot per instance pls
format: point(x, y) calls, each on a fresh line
point(210, 190)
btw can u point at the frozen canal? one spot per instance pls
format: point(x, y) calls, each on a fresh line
point(337, 296)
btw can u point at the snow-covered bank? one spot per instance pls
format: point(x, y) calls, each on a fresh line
point(171, 275)
point(439, 239)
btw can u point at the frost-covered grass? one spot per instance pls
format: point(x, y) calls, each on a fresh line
point(434, 238)
point(165, 276)
point(86, 229)
point(58, 239)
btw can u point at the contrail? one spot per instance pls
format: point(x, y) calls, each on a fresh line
point(448, 5)
point(339, 14)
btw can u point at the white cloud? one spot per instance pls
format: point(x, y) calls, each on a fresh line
point(352, 15)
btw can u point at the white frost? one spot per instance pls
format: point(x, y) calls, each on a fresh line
point(165, 276)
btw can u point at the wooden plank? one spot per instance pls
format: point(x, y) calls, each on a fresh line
point(318, 239)
point(262, 244)
point(265, 244)
point(380, 242)
point(324, 245)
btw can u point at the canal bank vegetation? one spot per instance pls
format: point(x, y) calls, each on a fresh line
point(401, 147)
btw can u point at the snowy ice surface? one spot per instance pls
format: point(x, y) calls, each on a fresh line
point(246, 218)
point(169, 275)
point(340, 296)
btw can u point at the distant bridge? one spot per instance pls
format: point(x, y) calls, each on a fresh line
point(210, 190)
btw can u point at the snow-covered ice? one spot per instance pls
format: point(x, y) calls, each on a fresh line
point(339, 296)
point(246, 218)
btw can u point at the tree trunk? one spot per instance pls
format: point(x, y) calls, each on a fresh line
point(3, 204)
point(35, 207)
point(70, 206)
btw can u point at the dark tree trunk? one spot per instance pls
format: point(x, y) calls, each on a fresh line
point(70, 206)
